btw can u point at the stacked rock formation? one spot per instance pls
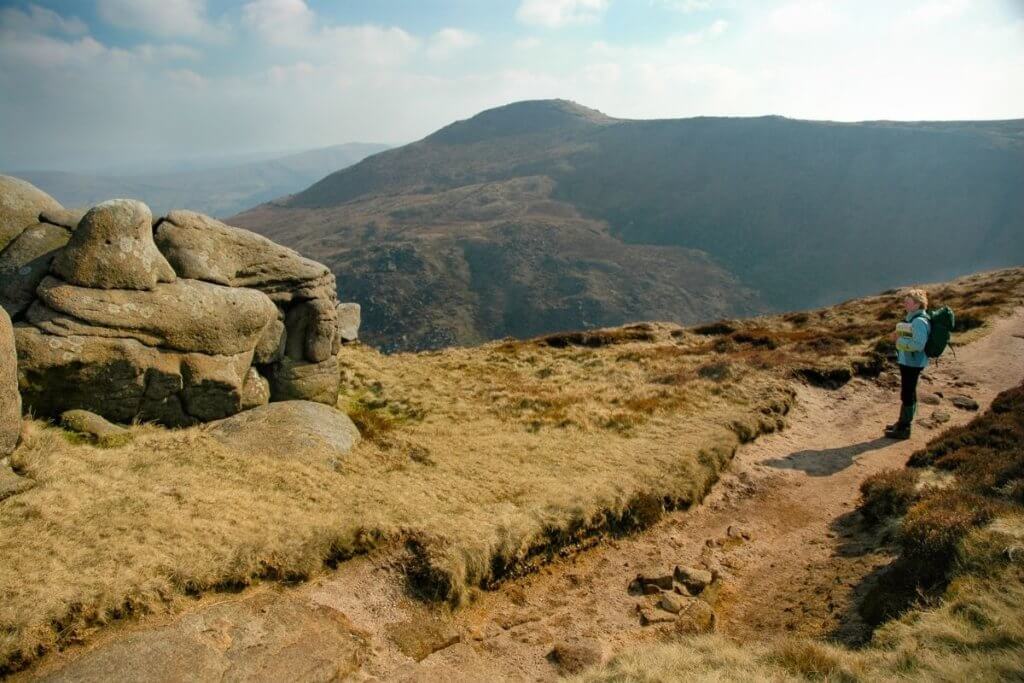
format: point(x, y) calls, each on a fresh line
point(188, 321)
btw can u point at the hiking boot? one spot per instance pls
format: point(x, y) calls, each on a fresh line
point(903, 424)
point(900, 432)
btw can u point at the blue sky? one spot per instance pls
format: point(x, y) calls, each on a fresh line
point(100, 83)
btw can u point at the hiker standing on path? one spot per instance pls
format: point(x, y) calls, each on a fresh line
point(911, 336)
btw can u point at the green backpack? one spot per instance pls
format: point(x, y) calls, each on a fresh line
point(942, 323)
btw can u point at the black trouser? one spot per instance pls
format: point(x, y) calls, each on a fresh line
point(908, 385)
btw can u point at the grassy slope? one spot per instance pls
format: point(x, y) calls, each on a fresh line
point(484, 460)
point(962, 540)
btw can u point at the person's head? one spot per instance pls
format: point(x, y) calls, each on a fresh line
point(914, 299)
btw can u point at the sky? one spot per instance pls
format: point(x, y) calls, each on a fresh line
point(105, 84)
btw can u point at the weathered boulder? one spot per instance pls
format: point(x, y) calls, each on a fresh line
point(112, 248)
point(255, 390)
point(96, 429)
point(26, 261)
point(105, 324)
point(186, 315)
point(349, 315)
point(270, 347)
point(62, 218)
point(20, 206)
point(10, 399)
point(203, 248)
point(289, 429)
point(298, 380)
point(123, 379)
point(312, 330)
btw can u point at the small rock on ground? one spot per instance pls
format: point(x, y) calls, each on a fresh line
point(642, 581)
point(671, 602)
point(96, 429)
point(964, 402)
point(696, 616)
point(12, 484)
point(421, 638)
point(694, 579)
point(649, 617)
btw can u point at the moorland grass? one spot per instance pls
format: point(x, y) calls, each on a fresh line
point(485, 461)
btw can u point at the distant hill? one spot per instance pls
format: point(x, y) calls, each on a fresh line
point(548, 215)
point(215, 191)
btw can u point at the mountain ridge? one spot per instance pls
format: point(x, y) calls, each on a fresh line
point(792, 213)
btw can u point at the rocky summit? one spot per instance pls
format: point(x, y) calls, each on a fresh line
point(176, 321)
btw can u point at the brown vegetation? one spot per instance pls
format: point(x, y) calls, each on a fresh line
point(485, 461)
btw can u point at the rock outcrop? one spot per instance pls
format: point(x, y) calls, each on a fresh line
point(20, 206)
point(10, 399)
point(187, 322)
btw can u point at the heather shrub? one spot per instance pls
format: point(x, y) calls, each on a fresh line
point(888, 494)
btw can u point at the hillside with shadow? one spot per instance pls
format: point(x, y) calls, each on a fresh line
point(546, 215)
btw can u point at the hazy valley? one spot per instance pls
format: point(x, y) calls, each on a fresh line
point(218, 190)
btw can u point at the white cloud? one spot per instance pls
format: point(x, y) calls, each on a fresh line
point(300, 71)
point(528, 43)
point(608, 73)
point(558, 13)
point(805, 17)
point(36, 19)
point(292, 24)
point(166, 52)
point(449, 41)
point(685, 6)
point(710, 32)
point(938, 10)
point(280, 22)
point(186, 77)
point(186, 18)
point(372, 45)
point(46, 52)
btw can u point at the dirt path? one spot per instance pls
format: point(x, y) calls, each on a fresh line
point(792, 493)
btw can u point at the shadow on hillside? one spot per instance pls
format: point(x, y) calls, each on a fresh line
point(822, 463)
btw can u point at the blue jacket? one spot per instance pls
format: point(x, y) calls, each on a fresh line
point(913, 335)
